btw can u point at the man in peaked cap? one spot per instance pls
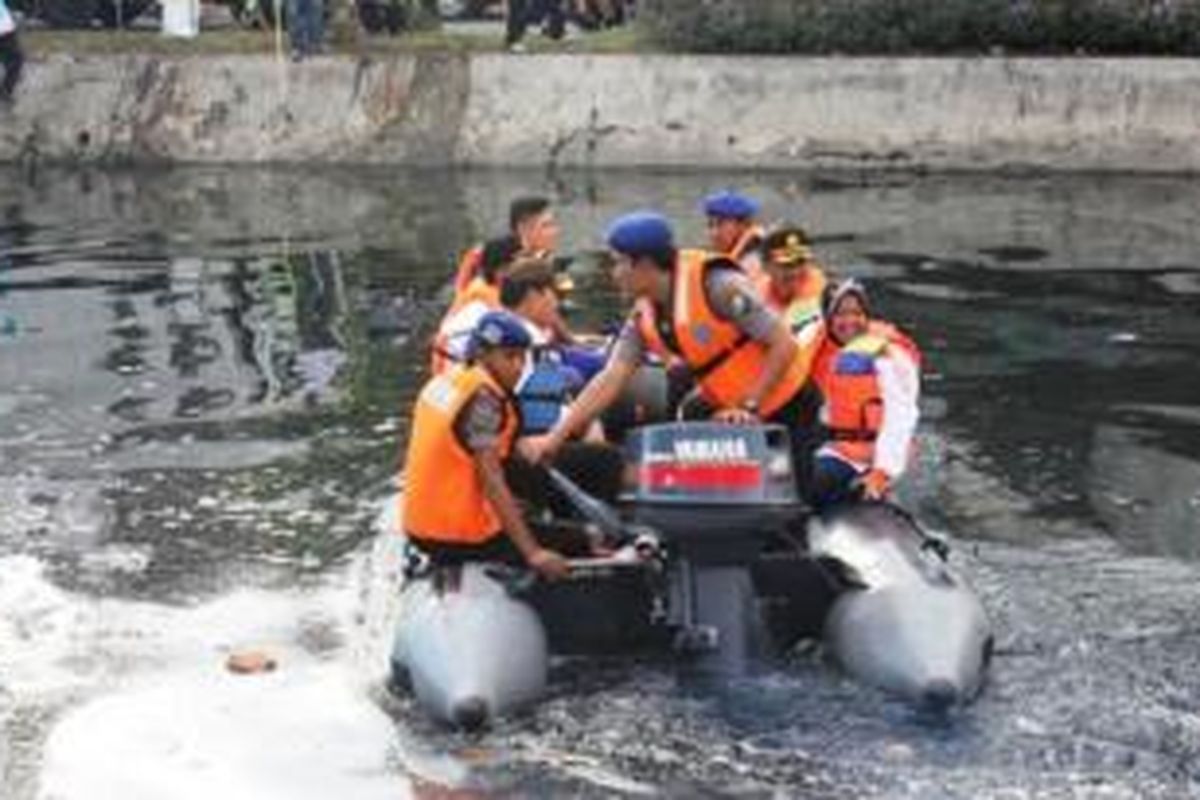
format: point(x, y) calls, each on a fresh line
point(793, 282)
point(701, 310)
point(732, 230)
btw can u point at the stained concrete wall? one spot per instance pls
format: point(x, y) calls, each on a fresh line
point(610, 110)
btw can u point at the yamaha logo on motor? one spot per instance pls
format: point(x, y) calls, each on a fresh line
point(711, 450)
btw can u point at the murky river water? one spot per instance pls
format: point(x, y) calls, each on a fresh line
point(204, 377)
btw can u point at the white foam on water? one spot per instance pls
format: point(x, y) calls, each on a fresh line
point(302, 732)
point(150, 710)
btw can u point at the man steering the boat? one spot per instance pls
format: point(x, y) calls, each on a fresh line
point(458, 505)
point(703, 311)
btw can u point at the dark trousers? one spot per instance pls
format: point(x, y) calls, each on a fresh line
point(13, 60)
point(595, 468)
point(800, 416)
point(568, 540)
point(306, 26)
point(834, 482)
point(523, 13)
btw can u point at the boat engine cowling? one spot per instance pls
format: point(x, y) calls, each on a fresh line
point(714, 491)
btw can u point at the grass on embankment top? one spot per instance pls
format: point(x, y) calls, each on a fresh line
point(234, 41)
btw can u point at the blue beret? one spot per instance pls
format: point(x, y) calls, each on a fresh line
point(499, 329)
point(730, 205)
point(640, 233)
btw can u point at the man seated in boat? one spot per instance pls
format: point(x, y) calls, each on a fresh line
point(704, 311)
point(531, 293)
point(532, 231)
point(458, 504)
point(547, 385)
point(793, 283)
point(869, 373)
point(733, 231)
point(540, 307)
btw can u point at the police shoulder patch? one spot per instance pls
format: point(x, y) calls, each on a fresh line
point(739, 304)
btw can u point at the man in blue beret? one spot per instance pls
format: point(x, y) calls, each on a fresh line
point(733, 232)
point(700, 310)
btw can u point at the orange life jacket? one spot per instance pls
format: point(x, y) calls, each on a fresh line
point(746, 245)
point(805, 305)
point(723, 360)
point(822, 368)
point(444, 499)
point(477, 289)
point(470, 266)
point(853, 401)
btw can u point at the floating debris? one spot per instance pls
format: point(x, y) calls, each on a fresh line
point(250, 662)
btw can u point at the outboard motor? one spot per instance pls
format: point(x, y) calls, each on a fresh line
point(722, 497)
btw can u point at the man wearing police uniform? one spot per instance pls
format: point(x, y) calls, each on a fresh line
point(733, 232)
point(704, 312)
point(458, 505)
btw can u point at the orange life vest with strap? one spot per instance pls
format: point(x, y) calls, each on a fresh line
point(751, 238)
point(444, 499)
point(724, 361)
point(747, 245)
point(853, 401)
point(822, 368)
point(477, 290)
point(805, 305)
point(470, 266)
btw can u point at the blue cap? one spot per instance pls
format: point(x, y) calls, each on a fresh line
point(640, 233)
point(499, 329)
point(730, 205)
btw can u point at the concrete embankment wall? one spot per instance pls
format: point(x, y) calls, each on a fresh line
point(613, 110)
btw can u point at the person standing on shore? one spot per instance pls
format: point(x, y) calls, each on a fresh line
point(306, 27)
point(523, 13)
point(10, 55)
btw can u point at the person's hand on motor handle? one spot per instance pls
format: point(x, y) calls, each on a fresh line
point(548, 564)
point(539, 449)
point(736, 416)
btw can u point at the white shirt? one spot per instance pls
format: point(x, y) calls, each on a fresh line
point(7, 23)
point(455, 333)
point(541, 338)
